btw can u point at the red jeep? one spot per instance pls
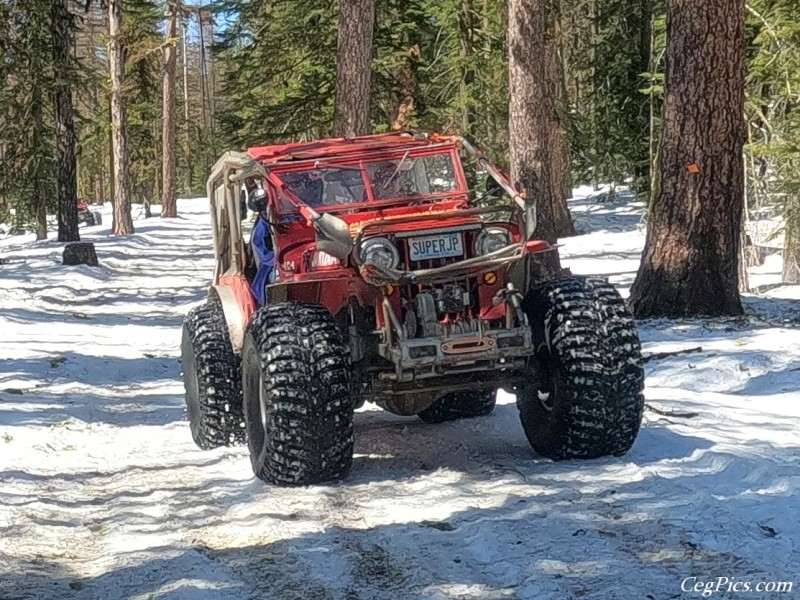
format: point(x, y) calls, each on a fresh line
point(394, 284)
point(85, 215)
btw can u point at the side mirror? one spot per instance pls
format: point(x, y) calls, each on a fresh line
point(333, 236)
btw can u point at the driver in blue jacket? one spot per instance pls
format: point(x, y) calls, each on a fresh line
point(260, 242)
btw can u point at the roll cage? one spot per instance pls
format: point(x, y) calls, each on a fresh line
point(269, 162)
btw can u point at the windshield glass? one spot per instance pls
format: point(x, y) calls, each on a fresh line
point(396, 179)
point(411, 177)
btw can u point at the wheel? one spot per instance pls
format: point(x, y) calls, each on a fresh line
point(297, 402)
point(211, 379)
point(460, 405)
point(586, 398)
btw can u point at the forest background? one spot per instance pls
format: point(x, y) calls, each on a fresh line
point(250, 72)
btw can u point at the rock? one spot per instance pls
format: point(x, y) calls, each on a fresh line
point(440, 525)
point(80, 253)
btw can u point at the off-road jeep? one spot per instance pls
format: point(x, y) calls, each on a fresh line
point(394, 284)
point(90, 217)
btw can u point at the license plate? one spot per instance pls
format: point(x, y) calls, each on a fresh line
point(436, 246)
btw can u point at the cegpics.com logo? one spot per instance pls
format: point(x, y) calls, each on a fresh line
point(717, 585)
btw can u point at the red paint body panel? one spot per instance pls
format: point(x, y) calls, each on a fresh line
point(335, 286)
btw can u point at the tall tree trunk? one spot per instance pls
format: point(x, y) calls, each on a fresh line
point(651, 102)
point(41, 209)
point(36, 172)
point(690, 261)
point(791, 245)
point(123, 223)
point(646, 49)
point(112, 193)
point(187, 147)
point(61, 29)
point(203, 70)
point(99, 188)
point(743, 276)
point(530, 107)
point(354, 67)
point(169, 191)
point(558, 145)
point(208, 69)
point(37, 175)
point(405, 91)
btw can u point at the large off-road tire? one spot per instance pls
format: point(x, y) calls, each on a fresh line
point(212, 379)
point(586, 398)
point(297, 397)
point(460, 405)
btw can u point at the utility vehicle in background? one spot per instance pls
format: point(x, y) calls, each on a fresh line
point(394, 283)
point(87, 216)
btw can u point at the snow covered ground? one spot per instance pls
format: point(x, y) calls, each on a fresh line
point(104, 496)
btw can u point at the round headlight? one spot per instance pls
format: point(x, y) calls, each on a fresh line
point(492, 239)
point(380, 251)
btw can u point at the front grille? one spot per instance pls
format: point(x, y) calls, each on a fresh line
point(467, 284)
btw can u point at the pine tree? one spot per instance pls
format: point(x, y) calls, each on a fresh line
point(400, 35)
point(123, 222)
point(169, 186)
point(61, 23)
point(689, 266)
point(354, 67)
point(558, 145)
point(92, 121)
point(143, 97)
point(530, 110)
point(463, 70)
point(607, 51)
point(773, 116)
point(26, 135)
point(279, 71)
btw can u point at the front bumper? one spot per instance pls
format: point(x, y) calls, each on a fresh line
point(423, 358)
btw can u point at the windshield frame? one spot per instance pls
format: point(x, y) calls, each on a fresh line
point(360, 162)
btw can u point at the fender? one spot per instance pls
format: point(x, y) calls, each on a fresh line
point(234, 315)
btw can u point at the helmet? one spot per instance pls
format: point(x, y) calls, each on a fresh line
point(257, 200)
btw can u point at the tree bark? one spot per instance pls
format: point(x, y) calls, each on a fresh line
point(560, 167)
point(123, 223)
point(690, 261)
point(187, 144)
point(354, 68)
point(169, 185)
point(530, 113)
point(62, 30)
point(36, 172)
point(743, 277)
point(405, 92)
